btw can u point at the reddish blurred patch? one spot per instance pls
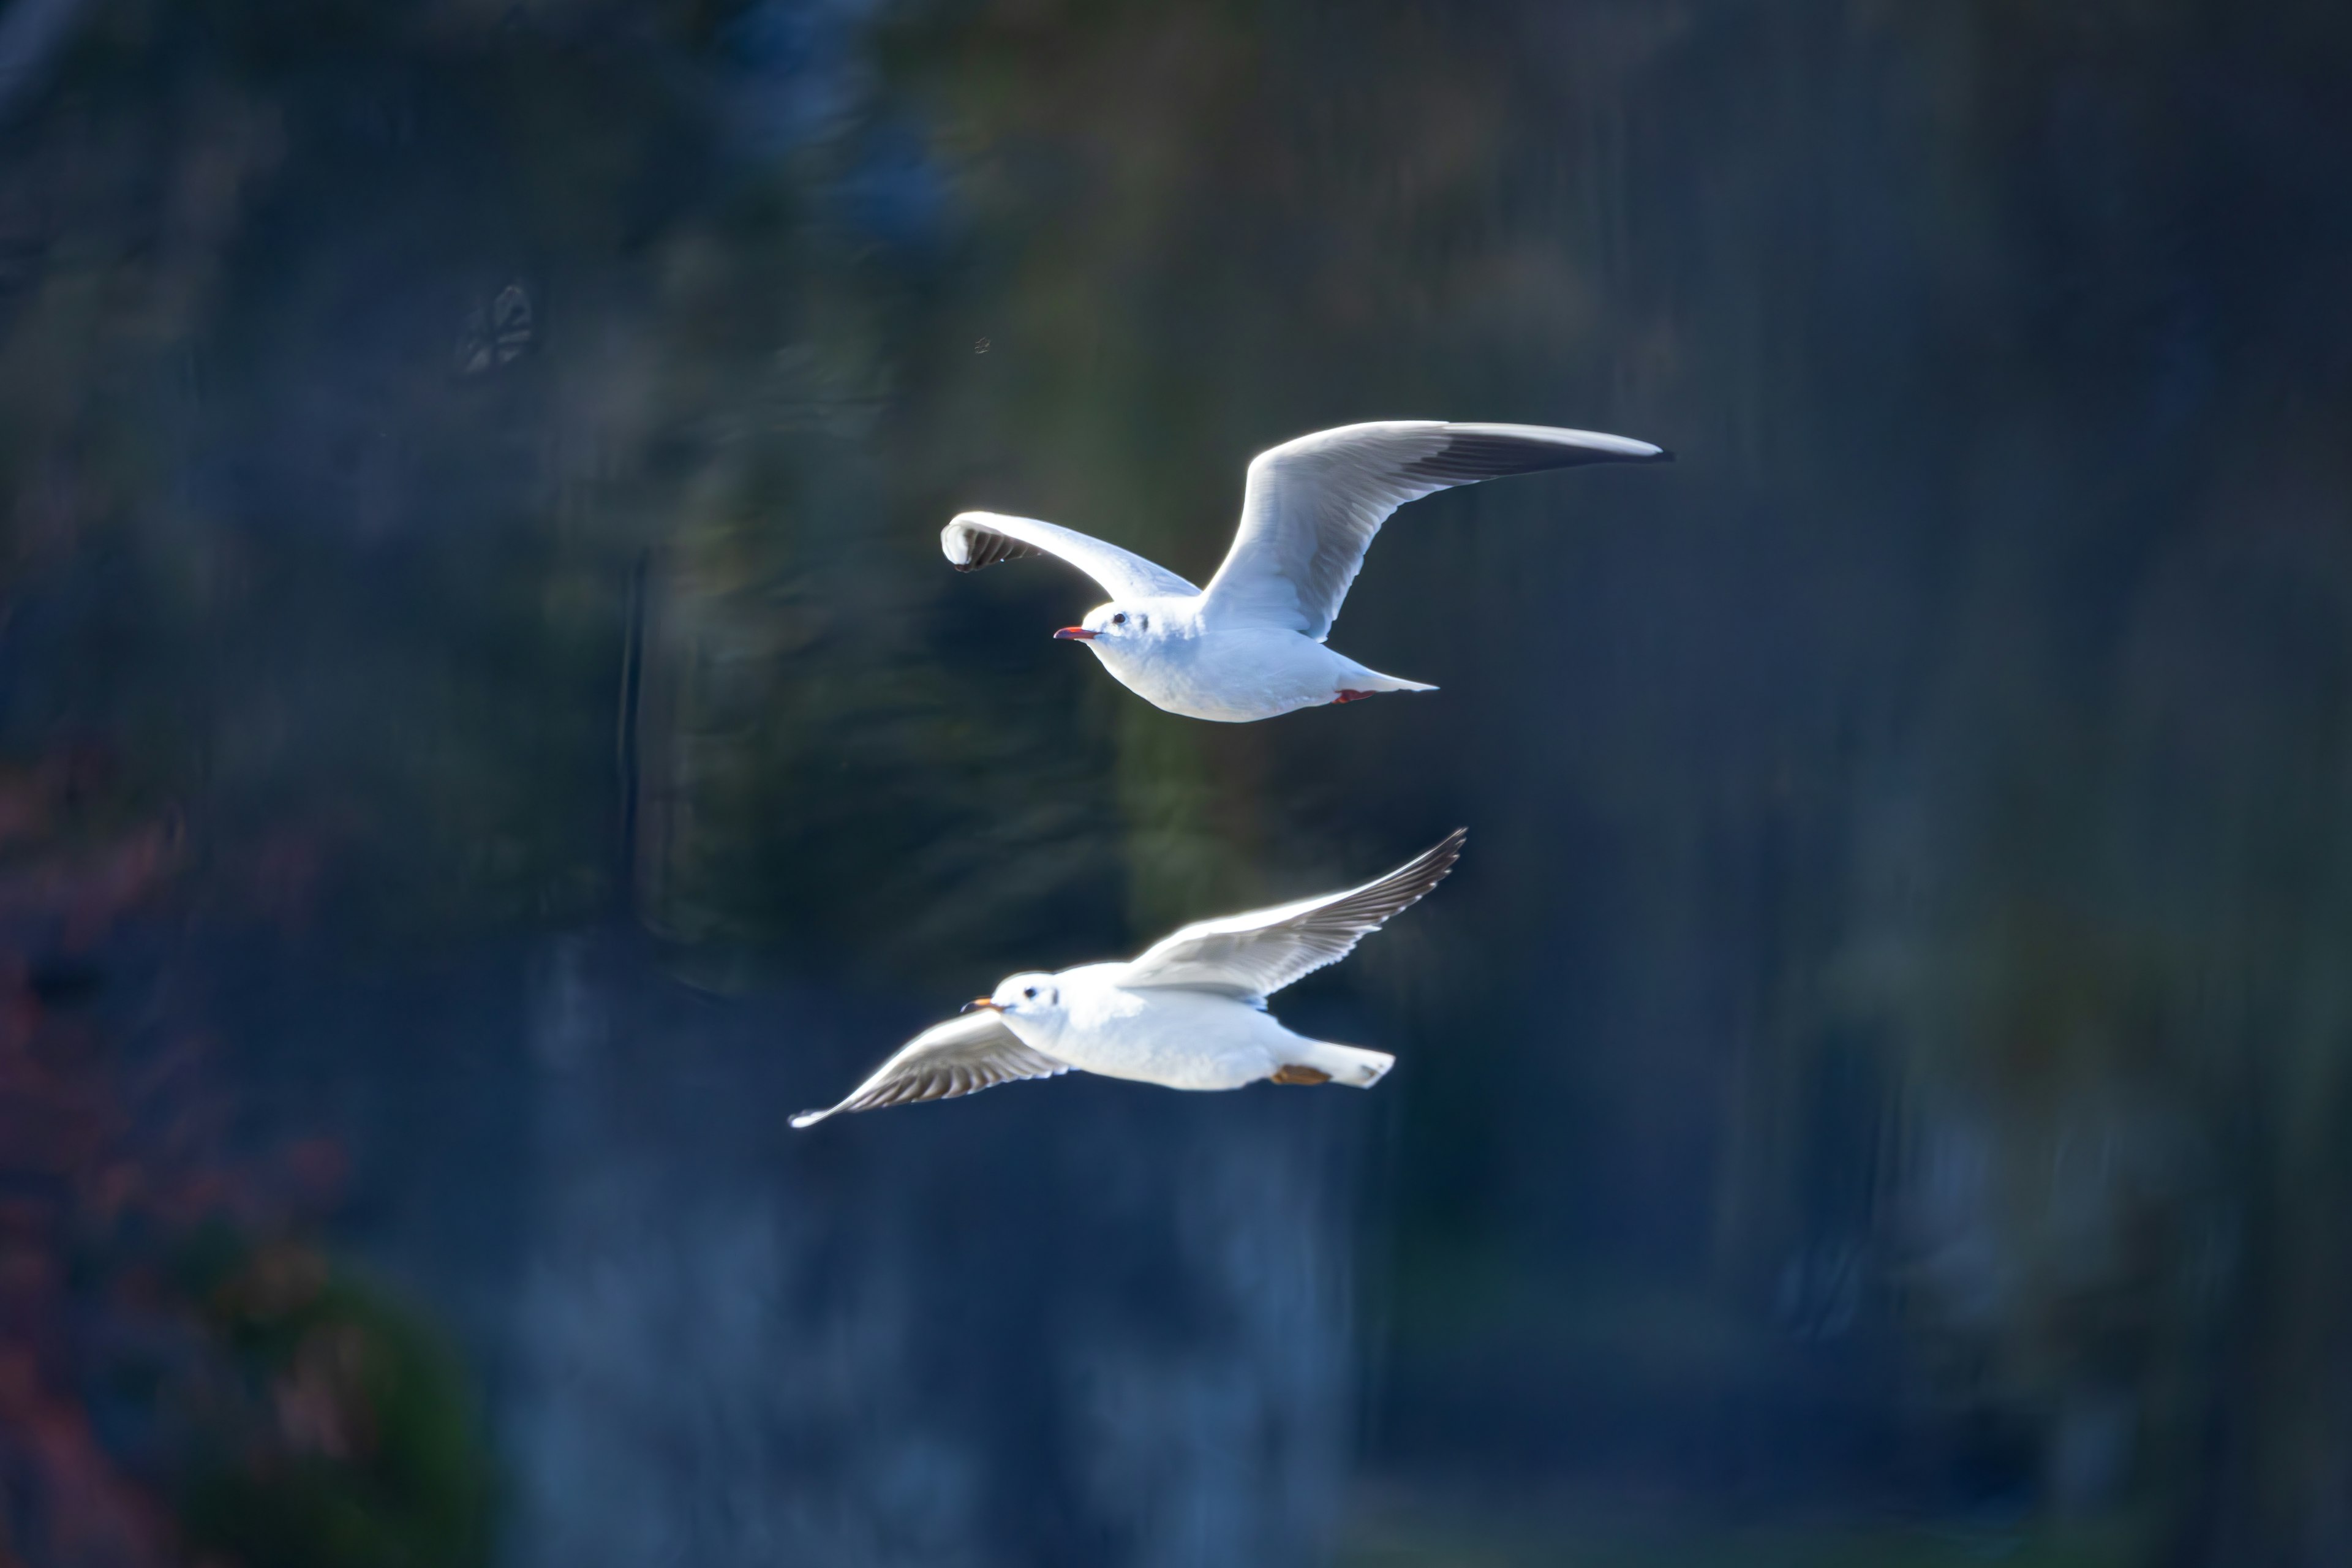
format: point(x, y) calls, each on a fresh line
point(114, 1174)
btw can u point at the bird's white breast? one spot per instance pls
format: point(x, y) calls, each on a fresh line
point(1182, 1039)
point(1227, 675)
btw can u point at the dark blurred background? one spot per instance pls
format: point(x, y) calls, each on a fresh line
point(485, 732)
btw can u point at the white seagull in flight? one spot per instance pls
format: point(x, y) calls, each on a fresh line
point(1251, 644)
point(1189, 1013)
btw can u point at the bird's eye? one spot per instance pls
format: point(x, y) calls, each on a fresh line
point(1030, 993)
point(1119, 620)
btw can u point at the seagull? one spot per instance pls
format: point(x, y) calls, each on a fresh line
point(1187, 1014)
point(1250, 645)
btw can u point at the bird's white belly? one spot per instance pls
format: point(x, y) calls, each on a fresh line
point(1178, 1039)
point(1229, 676)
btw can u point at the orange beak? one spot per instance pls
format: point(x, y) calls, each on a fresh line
point(979, 1002)
point(1075, 634)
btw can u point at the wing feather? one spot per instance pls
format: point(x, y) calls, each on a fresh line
point(1313, 505)
point(1254, 955)
point(972, 540)
point(963, 1055)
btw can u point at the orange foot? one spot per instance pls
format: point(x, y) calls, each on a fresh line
point(1346, 696)
point(1297, 1074)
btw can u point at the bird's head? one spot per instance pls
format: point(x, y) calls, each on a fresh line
point(1030, 995)
point(1111, 623)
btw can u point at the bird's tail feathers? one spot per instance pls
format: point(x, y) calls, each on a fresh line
point(1350, 1065)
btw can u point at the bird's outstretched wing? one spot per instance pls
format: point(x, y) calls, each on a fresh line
point(961, 1055)
point(1312, 505)
point(972, 540)
point(1254, 955)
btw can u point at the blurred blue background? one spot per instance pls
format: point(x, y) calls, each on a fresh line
point(485, 732)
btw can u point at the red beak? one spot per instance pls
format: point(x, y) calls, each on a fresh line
point(1074, 634)
point(979, 1002)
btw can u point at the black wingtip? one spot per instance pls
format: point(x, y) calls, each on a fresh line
point(1439, 857)
point(1425, 870)
point(1470, 456)
point(985, 547)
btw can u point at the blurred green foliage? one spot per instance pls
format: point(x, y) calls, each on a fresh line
point(372, 1457)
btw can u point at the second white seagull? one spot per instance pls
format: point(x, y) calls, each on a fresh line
point(1190, 1013)
point(1250, 645)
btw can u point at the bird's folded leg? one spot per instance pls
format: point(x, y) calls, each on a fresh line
point(1293, 1073)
